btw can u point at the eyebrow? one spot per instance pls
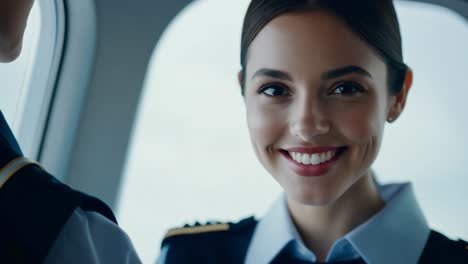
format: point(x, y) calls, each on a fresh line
point(273, 74)
point(332, 74)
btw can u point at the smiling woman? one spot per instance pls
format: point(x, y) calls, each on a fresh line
point(316, 126)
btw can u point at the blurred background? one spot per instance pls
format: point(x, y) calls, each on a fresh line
point(189, 156)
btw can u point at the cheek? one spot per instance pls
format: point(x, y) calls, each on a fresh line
point(361, 123)
point(266, 125)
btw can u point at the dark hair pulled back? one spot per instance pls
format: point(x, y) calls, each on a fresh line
point(375, 21)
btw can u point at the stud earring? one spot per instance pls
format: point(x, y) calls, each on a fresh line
point(390, 119)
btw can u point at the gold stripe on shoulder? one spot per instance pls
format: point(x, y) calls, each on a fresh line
point(192, 230)
point(12, 167)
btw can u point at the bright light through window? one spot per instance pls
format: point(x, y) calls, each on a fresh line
point(191, 159)
point(15, 75)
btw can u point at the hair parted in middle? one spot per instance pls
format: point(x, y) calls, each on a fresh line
point(373, 21)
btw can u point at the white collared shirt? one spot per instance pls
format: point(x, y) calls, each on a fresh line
point(396, 234)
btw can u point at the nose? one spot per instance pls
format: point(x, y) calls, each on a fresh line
point(309, 120)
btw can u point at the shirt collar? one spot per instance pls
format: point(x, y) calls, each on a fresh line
point(397, 234)
point(273, 232)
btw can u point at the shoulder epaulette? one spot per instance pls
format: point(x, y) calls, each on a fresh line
point(197, 229)
point(209, 227)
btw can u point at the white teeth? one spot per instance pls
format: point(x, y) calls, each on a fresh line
point(323, 157)
point(295, 156)
point(313, 159)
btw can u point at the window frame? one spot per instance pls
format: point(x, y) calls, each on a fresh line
point(39, 84)
point(70, 86)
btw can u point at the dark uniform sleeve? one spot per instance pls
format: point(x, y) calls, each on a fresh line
point(43, 218)
point(210, 243)
point(441, 249)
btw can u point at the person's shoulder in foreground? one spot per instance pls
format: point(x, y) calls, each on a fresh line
point(89, 237)
point(47, 221)
point(43, 220)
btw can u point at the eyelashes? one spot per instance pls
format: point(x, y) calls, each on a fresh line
point(274, 90)
point(346, 89)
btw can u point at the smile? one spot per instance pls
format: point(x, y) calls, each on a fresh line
point(312, 161)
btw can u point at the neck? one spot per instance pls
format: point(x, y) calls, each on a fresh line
point(321, 226)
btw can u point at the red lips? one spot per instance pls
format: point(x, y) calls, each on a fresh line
point(312, 170)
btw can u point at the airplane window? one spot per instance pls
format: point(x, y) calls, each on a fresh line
point(190, 157)
point(15, 75)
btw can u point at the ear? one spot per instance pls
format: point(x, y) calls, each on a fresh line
point(399, 102)
point(239, 78)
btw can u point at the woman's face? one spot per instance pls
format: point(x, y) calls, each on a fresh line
point(317, 100)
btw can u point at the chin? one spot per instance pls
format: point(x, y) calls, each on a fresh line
point(9, 55)
point(10, 50)
point(313, 197)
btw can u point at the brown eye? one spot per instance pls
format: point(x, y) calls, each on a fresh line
point(347, 88)
point(273, 90)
